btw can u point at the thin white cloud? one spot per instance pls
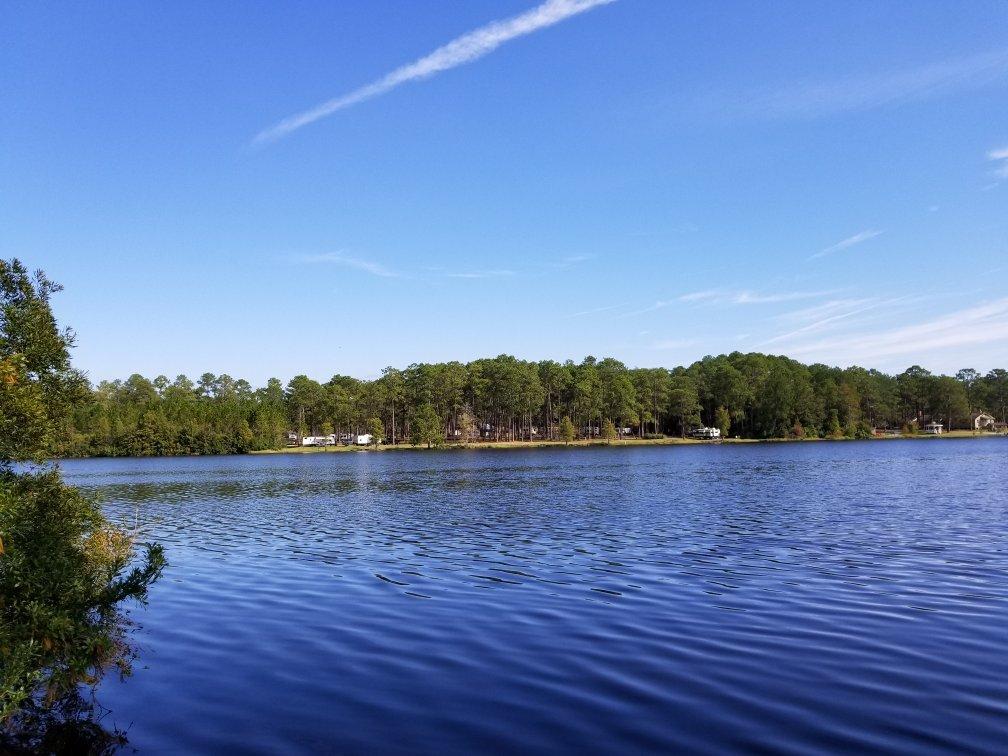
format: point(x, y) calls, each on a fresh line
point(538, 269)
point(983, 324)
point(338, 258)
point(820, 311)
point(481, 274)
point(847, 243)
point(830, 320)
point(659, 305)
point(749, 297)
point(596, 310)
point(1000, 158)
point(724, 297)
point(567, 262)
point(813, 100)
point(465, 49)
point(745, 297)
point(702, 296)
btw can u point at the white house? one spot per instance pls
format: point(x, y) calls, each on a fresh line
point(705, 432)
point(364, 439)
point(934, 429)
point(983, 422)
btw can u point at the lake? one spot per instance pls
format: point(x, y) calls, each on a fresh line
point(784, 597)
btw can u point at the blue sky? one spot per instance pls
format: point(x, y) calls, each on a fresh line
point(647, 180)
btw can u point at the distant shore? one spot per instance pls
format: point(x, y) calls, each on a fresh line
point(579, 443)
point(481, 445)
point(584, 443)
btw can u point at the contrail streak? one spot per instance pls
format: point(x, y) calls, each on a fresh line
point(465, 49)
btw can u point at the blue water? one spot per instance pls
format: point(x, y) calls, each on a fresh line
point(783, 597)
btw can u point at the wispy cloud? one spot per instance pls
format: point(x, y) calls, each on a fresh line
point(465, 49)
point(659, 305)
point(813, 100)
point(847, 243)
point(983, 324)
point(534, 270)
point(481, 274)
point(823, 310)
point(1000, 159)
point(707, 295)
point(744, 297)
point(850, 309)
point(724, 297)
point(596, 310)
point(338, 258)
point(566, 262)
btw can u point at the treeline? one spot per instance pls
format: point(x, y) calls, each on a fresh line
point(503, 398)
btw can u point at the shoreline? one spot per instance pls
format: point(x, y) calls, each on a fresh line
point(594, 443)
point(579, 444)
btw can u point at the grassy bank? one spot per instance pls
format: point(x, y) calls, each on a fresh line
point(483, 445)
point(487, 445)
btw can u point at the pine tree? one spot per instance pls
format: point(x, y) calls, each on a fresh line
point(723, 421)
point(567, 433)
point(426, 427)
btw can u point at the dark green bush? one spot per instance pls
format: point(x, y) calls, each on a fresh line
point(65, 570)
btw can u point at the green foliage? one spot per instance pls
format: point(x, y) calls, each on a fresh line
point(833, 429)
point(722, 421)
point(64, 569)
point(862, 430)
point(567, 432)
point(63, 575)
point(393, 391)
point(609, 431)
point(684, 404)
point(426, 427)
point(37, 383)
point(377, 430)
point(504, 399)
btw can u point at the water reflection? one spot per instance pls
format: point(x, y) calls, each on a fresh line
point(75, 724)
point(791, 597)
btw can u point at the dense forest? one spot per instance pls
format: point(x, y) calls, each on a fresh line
point(503, 398)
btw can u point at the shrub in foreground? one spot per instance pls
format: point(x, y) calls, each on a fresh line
point(65, 570)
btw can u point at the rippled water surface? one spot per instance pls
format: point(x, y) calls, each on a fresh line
point(791, 597)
